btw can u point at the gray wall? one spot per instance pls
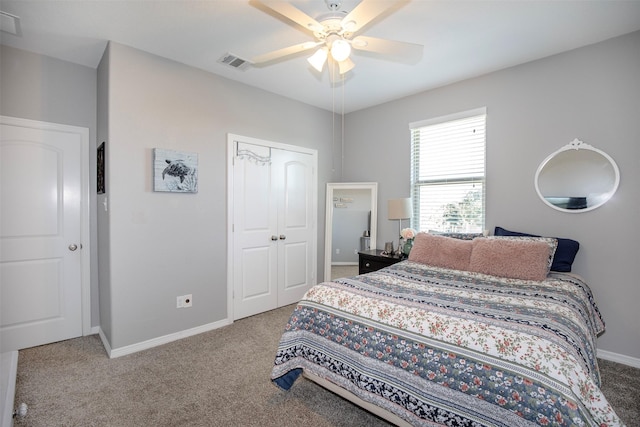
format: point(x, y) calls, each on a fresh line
point(42, 88)
point(162, 245)
point(103, 247)
point(592, 94)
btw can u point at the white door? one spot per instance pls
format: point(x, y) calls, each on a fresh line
point(273, 226)
point(40, 234)
point(296, 225)
point(255, 238)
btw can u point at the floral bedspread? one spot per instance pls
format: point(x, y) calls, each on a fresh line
point(445, 347)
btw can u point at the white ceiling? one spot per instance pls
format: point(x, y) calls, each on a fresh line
point(462, 39)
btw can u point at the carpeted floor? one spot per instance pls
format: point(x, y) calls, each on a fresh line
point(338, 271)
point(218, 378)
point(621, 387)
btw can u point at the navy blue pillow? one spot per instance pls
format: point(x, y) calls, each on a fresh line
point(565, 254)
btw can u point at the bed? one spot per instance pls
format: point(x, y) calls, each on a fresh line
point(445, 339)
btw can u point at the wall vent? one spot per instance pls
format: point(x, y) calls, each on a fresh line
point(10, 24)
point(234, 61)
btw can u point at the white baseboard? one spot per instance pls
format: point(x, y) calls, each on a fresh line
point(154, 342)
point(105, 341)
point(134, 348)
point(619, 358)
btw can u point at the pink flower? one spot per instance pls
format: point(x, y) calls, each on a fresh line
point(408, 233)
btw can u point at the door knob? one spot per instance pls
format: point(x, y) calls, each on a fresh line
point(73, 247)
point(274, 237)
point(282, 237)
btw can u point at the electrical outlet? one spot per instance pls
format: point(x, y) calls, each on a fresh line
point(184, 301)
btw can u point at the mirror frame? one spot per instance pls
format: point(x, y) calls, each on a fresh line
point(328, 226)
point(576, 144)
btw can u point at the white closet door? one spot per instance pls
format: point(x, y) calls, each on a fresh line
point(274, 227)
point(255, 223)
point(296, 224)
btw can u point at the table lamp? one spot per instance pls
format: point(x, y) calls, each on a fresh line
point(399, 209)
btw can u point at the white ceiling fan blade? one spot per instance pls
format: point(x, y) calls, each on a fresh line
point(291, 12)
point(281, 53)
point(406, 52)
point(366, 11)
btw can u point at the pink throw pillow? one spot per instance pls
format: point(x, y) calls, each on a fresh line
point(440, 251)
point(515, 259)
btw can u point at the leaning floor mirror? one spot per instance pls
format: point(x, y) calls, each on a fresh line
point(351, 226)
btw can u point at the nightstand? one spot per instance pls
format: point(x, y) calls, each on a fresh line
point(373, 260)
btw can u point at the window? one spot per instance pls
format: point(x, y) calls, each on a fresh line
point(448, 172)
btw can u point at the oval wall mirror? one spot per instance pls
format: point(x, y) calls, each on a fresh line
point(350, 225)
point(577, 178)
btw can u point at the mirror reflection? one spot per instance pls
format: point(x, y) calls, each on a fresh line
point(351, 226)
point(577, 178)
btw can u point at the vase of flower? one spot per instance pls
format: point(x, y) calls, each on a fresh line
point(408, 234)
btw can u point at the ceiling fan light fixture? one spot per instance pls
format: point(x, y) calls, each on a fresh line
point(334, 35)
point(318, 59)
point(346, 66)
point(349, 26)
point(340, 50)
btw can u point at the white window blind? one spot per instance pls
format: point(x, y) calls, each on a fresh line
point(448, 173)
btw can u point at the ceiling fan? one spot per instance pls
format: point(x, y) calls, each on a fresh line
point(336, 34)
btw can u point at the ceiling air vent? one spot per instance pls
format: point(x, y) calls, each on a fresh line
point(234, 61)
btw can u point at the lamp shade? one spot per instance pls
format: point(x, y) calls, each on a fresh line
point(399, 208)
point(318, 59)
point(346, 66)
point(340, 50)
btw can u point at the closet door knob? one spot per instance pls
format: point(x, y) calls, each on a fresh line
point(282, 237)
point(274, 237)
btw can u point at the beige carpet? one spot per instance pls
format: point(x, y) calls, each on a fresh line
point(338, 271)
point(218, 378)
